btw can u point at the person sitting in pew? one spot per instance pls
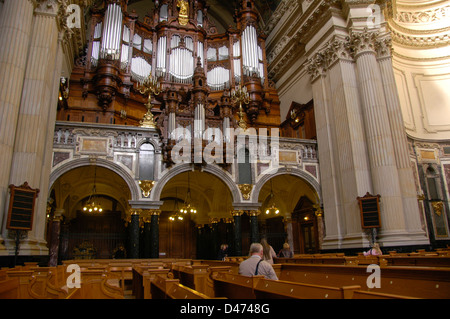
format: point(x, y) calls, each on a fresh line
point(255, 265)
point(286, 252)
point(375, 251)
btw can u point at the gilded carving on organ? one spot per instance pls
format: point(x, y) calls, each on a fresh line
point(183, 15)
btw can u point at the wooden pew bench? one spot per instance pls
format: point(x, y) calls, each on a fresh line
point(277, 289)
point(418, 282)
point(9, 288)
point(36, 285)
point(95, 284)
point(168, 288)
point(143, 276)
point(192, 276)
point(233, 286)
point(418, 260)
point(361, 294)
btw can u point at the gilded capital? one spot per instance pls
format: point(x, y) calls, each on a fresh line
point(254, 213)
point(237, 213)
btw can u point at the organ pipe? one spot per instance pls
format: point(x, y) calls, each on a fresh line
point(170, 53)
point(112, 32)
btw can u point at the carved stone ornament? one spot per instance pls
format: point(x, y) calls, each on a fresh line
point(437, 207)
point(362, 42)
point(146, 187)
point(246, 189)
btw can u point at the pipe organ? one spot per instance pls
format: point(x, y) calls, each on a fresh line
point(196, 66)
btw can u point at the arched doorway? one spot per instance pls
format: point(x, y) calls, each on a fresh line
point(286, 192)
point(305, 227)
point(197, 235)
point(85, 234)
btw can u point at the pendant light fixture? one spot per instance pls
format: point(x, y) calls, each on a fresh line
point(188, 207)
point(177, 214)
point(272, 208)
point(93, 205)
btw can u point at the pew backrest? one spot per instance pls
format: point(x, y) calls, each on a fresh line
point(9, 288)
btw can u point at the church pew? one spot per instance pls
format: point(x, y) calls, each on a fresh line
point(233, 286)
point(418, 260)
point(439, 258)
point(169, 288)
point(9, 288)
point(142, 279)
point(419, 282)
point(3, 275)
point(192, 276)
point(361, 294)
point(56, 275)
point(277, 289)
point(75, 293)
point(213, 272)
point(121, 271)
point(95, 284)
point(234, 265)
point(36, 285)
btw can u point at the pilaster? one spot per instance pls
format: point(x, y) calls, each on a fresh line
point(404, 164)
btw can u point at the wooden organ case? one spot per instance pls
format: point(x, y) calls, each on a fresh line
point(179, 46)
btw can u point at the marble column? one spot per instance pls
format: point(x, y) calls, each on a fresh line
point(254, 228)
point(404, 165)
point(287, 220)
point(54, 244)
point(16, 19)
point(215, 245)
point(154, 231)
point(147, 239)
point(237, 234)
point(379, 138)
point(133, 235)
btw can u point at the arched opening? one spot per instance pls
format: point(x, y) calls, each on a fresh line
point(295, 199)
point(84, 234)
point(197, 235)
point(146, 162)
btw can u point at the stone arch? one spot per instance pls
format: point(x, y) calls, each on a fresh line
point(129, 180)
point(309, 180)
point(181, 168)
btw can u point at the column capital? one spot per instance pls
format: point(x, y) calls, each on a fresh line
point(336, 49)
point(237, 213)
point(384, 47)
point(57, 215)
point(254, 213)
point(362, 41)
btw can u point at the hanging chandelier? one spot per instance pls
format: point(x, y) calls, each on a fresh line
point(188, 207)
point(272, 209)
point(177, 216)
point(93, 205)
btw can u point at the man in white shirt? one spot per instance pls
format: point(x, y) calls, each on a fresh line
point(254, 265)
